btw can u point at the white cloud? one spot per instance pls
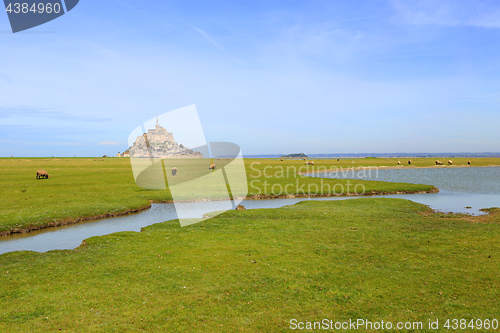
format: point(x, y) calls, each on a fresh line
point(42, 112)
point(108, 143)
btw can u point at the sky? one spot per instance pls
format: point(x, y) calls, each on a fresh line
point(274, 77)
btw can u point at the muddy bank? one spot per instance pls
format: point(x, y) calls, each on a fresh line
point(68, 221)
point(371, 193)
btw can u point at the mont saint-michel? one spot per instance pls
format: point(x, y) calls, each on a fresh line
point(158, 143)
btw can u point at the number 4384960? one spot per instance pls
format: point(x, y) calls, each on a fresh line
point(456, 324)
point(35, 8)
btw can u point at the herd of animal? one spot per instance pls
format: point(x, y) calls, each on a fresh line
point(307, 162)
point(174, 169)
point(450, 162)
point(42, 174)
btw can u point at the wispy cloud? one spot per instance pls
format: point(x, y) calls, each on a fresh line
point(44, 143)
point(38, 112)
point(108, 143)
point(210, 39)
point(483, 14)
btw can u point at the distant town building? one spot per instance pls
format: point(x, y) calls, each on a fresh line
point(158, 143)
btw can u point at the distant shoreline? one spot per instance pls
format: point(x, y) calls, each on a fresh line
point(319, 156)
point(384, 155)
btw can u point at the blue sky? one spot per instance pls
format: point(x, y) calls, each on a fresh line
point(271, 76)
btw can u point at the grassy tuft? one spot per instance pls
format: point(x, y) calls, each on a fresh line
point(255, 270)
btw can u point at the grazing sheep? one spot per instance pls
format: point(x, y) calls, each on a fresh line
point(409, 162)
point(212, 166)
point(450, 162)
point(399, 162)
point(468, 162)
point(439, 163)
point(174, 171)
point(41, 174)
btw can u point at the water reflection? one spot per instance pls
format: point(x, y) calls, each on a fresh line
point(475, 187)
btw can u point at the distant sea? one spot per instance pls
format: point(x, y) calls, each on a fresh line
point(382, 155)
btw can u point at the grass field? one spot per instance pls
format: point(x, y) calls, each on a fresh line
point(88, 187)
point(255, 270)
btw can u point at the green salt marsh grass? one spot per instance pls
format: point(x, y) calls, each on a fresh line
point(87, 187)
point(255, 270)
